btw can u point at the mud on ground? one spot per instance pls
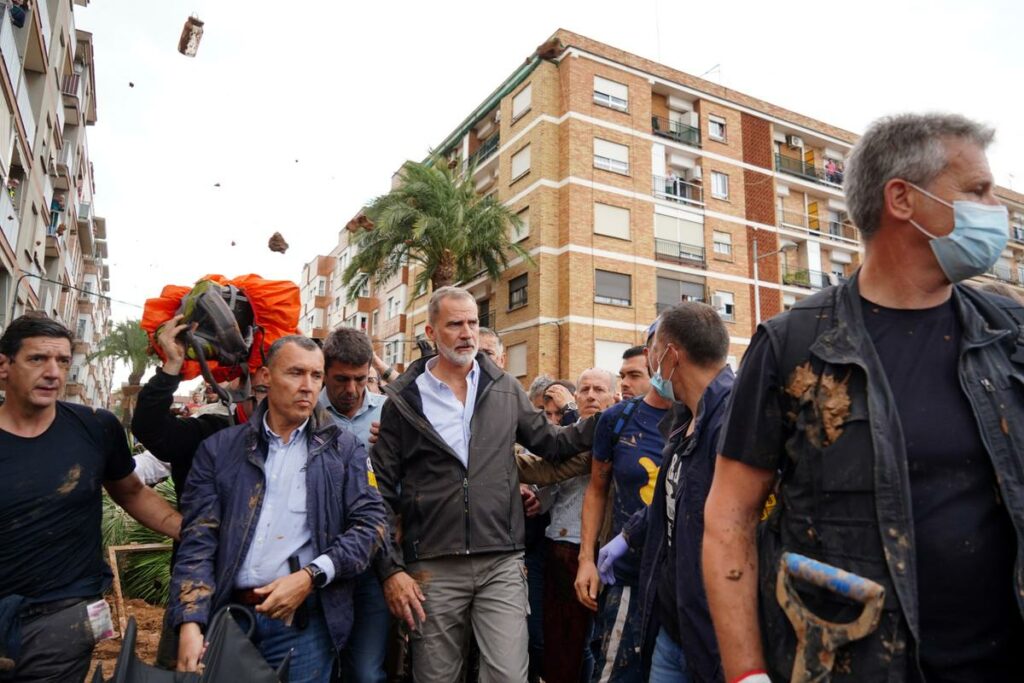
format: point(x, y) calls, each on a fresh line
point(149, 619)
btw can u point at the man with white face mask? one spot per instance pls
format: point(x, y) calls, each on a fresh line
point(889, 412)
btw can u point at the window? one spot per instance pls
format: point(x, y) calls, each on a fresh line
point(726, 305)
point(719, 185)
point(393, 307)
point(1020, 273)
point(521, 102)
point(611, 94)
point(611, 220)
point(839, 271)
point(608, 355)
point(678, 238)
point(523, 231)
point(520, 163)
point(611, 156)
point(81, 328)
point(364, 291)
point(376, 321)
point(612, 288)
point(672, 291)
point(517, 288)
point(716, 128)
point(393, 352)
point(321, 287)
point(515, 360)
point(722, 243)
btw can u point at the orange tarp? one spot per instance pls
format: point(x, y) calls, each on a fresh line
point(275, 306)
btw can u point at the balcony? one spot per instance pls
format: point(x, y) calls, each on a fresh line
point(677, 252)
point(832, 175)
point(9, 48)
point(71, 90)
point(835, 231)
point(675, 130)
point(679, 190)
point(811, 279)
point(1001, 273)
point(1017, 234)
point(28, 118)
point(487, 148)
point(9, 220)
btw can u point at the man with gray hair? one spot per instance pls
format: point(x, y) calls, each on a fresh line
point(887, 415)
point(445, 466)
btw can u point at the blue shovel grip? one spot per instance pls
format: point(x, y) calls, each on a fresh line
point(832, 578)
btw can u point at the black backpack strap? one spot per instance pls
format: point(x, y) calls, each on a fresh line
point(625, 418)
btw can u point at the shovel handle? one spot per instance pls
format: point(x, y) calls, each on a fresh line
point(831, 578)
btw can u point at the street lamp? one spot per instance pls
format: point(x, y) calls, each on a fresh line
point(784, 246)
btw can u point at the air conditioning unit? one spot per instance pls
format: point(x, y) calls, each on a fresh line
point(696, 173)
point(497, 116)
point(717, 303)
point(794, 141)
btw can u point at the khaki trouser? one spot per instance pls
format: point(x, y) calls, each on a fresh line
point(485, 592)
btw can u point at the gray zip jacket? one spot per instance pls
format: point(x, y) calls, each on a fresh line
point(441, 507)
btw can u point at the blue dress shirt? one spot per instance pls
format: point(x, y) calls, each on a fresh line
point(449, 416)
point(358, 424)
point(283, 527)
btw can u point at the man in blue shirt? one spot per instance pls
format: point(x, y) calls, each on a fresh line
point(627, 450)
point(348, 359)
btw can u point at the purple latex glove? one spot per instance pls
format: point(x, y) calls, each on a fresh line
point(607, 556)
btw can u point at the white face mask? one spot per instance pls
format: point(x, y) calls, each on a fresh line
point(979, 235)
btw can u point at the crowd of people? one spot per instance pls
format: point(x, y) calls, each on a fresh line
point(624, 526)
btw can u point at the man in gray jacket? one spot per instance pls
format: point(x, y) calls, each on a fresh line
point(445, 466)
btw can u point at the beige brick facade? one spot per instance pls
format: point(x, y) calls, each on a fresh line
point(780, 196)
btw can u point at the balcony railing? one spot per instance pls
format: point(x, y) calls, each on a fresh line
point(800, 168)
point(812, 279)
point(1017, 234)
point(816, 226)
point(9, 220)
point(678, 252)
point(677, 189)
point(485, 151)
point(1001, 273)
point(675, 130)
point(28, 118)
point(9, 48)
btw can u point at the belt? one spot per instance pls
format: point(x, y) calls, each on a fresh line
point(247, 596)
point(39, 609)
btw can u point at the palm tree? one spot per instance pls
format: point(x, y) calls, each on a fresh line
point(128, 343)
point(435, 219)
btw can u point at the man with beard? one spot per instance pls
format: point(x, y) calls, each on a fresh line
point(445, 466)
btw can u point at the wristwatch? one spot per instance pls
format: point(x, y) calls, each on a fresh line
point(571, 405)
point(318, 575)
point(388, 373)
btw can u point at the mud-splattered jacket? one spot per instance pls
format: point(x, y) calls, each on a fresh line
point(445, 508)
point(647, 528)
point(845, 491)
point(222, 502)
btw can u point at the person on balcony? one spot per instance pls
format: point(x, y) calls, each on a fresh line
point(19, 10)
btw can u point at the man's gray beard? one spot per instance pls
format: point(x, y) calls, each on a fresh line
point(455, 358)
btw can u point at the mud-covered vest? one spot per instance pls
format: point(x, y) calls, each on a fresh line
point(834, 468)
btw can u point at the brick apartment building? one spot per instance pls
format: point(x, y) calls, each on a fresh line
point(638, 186)
point(53, 246)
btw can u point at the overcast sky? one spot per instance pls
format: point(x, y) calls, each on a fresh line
point(301, 111)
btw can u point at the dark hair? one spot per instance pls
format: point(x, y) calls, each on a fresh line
point(302, 342)
point(28, 326)
point(348, 347)
point(697, 329)
point(565, 383)
point(632, 352)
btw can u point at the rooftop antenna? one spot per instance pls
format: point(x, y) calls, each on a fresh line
point(716, 69)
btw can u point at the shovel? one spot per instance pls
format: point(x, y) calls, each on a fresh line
point(818, 639)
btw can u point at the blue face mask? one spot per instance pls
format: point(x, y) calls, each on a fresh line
point(663, 385)
point(978, 237)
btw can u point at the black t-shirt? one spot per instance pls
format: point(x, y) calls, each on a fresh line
point(971, 628)
point(965, 543)
point(666, 593)
point(51, 505)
